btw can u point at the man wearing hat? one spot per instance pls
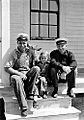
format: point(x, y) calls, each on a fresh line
point(62, 61)
point(23, 74)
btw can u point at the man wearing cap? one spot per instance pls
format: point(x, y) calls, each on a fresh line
point(63, 61)
point(23, 74)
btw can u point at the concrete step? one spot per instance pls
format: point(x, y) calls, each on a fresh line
point(59, 102)
point(62, 89)
point(12, 107)
point(79, 88)
point(79, 82)
point(70, 113)
point(51, 108)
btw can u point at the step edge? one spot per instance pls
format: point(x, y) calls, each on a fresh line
point(76, 111)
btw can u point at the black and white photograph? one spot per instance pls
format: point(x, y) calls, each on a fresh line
point(41, 59)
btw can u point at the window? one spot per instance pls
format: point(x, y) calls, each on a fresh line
point(44, 19)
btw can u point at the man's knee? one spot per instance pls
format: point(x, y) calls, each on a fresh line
point(15, 80)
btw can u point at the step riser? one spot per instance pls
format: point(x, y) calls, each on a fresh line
point(79, 82)
point(55, 103)
point(80, 85)
point(59, 103)
point(12, 108)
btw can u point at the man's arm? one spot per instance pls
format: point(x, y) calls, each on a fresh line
point(73, 62)
point(9, 67)
point(16, 72)
point(53, 61)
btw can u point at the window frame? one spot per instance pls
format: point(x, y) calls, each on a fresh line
point(39, 11)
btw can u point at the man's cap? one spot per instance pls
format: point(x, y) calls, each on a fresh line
point(22, 37)
point(61, 41)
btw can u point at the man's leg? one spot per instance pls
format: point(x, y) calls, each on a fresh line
point(30, 85)
point(71, 82)
point(32, 76)
point(18, 85)
point(54, 79)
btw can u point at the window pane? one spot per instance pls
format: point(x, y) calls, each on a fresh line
point(34, 18)
point(53, 19)
point(53, 5)
point(44, 31)
point(34, 30)
point(53, 31)
point(44, 18)
point(44, 4)
point(34, 4)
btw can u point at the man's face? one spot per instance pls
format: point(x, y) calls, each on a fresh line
point(62, 47)
point(21, 45)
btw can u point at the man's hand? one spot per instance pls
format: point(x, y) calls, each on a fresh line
point(66, 69)
point(16, 72)
point(23, 76)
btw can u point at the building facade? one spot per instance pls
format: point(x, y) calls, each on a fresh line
point(43, 20)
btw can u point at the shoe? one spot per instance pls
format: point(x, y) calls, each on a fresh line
point(44, 96)
point(54, 95)
point(72, 95)
point(30, 97)
point(39, 96)
point(35, 104)
point(25, 112)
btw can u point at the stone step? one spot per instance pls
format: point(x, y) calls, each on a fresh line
point(79, 89)
point(60, 102)
point(9, 91)
point(62, 88)
point(79, 82)
point(48, 109)
point(70, 113)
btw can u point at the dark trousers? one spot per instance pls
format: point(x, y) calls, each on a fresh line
point(30, 84)
point(70, 78)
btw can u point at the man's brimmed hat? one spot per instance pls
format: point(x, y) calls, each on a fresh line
point(61, 41)
point(22, 37)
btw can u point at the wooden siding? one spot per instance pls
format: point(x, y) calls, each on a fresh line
point(72, 26)
point(19, 18)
